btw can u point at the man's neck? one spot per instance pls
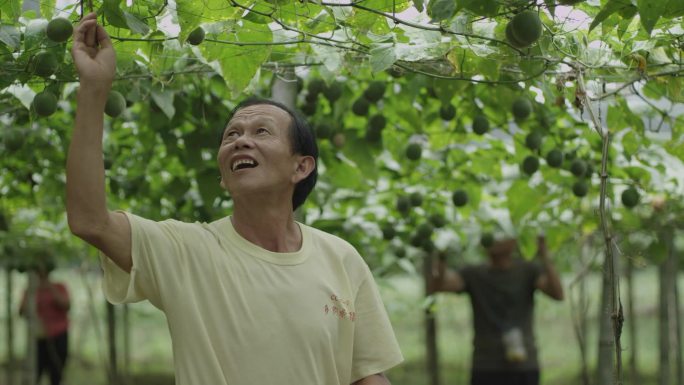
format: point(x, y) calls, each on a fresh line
point(270, 227)
point(501, 262)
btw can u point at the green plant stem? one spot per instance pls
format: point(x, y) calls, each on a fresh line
point(616, 305)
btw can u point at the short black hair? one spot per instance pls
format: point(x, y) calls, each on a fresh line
point(302, 140)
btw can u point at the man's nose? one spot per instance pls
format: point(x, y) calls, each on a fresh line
point(243, 141)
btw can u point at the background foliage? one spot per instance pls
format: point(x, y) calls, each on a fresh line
point(421, 57)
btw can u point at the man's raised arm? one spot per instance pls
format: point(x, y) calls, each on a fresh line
point(86, 202)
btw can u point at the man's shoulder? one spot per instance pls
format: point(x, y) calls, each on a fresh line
point(473, 268)
point(334, 245)
point(323, 236)
point(527, 265)
point(175, 227)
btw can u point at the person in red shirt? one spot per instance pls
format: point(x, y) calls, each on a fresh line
point(52, 307)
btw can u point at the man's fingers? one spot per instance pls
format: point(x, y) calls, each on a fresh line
point(90, 34)
point(103, 38)
point(80, 31)
point(90, 16)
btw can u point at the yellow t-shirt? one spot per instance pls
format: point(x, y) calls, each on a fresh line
point(241, 315)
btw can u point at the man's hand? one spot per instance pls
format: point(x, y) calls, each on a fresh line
point(542, 251)
point(93, 53)
point(548, 282)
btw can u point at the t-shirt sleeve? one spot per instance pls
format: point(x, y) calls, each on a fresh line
point(155, 247)
point(375, 346)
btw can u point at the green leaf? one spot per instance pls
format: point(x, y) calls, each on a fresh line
point(527, 241)
point(257, 14)
point(610, 8)
point(655, 89)
point(551, 6)
point(675, 149)
point(361, 153)
point(441, 10)
point(531, 66)
point(208, 185)
point(136, 24)
point(10, 36)
point(649, 12)
point(10, 10)
point(388, 6)
point(331, 57)
point(366, 22)
point(164, 99)
point(630, 144)
point(34, 35)
point(638, 174)
point(382, 57)
point(480, 7)
point(342, 173)
point(419, 5)
point(192, 12)
point(113, 13)
point(522, 200)
point(675, 8)
point(47, 8)
point(249, 57)
point(675, 89)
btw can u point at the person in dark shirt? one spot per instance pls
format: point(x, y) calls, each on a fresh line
point(501, 294)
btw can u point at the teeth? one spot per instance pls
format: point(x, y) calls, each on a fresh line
point(241, 162)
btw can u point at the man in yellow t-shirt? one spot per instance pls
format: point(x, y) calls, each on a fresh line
point(254, 298)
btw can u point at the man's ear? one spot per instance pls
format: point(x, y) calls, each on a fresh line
point(305, 165)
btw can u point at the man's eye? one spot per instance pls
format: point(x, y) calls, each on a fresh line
point(230, 134)
point(262, 130)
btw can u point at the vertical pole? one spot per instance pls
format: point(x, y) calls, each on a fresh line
point(111, 337)
point(432, 359)
point(10, 327)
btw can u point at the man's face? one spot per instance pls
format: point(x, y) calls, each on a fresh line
point(502, 249)
point(255, 155)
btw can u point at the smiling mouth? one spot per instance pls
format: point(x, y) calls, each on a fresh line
point(242, 164)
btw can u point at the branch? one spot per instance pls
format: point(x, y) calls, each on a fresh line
point(437, 76)
point(289, 28)
point(673, 73)
point(421, 26)
point(663, 113)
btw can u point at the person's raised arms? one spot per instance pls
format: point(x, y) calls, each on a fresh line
point(86, 203)
point(445, 279)
point(549, 281)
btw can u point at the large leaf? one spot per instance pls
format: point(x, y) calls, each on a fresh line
point(522, 201)
point(650, 11)
point(47, 8)
point(34, 35)
point(238, 59)
point(136, 24)
point(164, 100)
point(441, 10)
point(488, 8)
point(192, 12)
point(113, 13)
point(10, 36)
point(674, 8)
point(611, 7)
point(382, 57)
point(10, 10)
